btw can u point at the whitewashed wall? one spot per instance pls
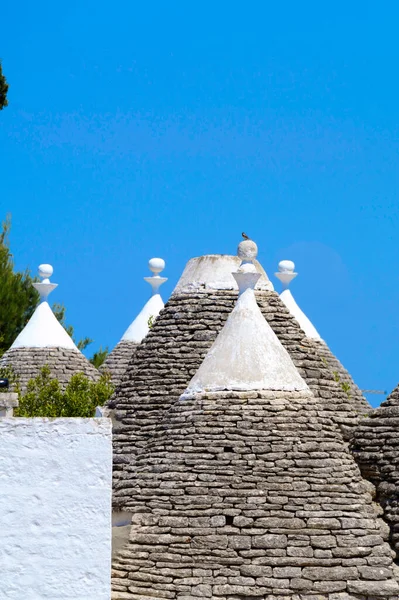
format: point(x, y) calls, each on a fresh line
point(55, 509)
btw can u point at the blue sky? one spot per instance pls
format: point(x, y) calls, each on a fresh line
point(165, 129)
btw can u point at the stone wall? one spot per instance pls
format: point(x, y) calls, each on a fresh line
point(55, 509)
point(245, 495)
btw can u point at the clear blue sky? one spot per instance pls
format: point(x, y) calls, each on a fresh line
point(166, 128)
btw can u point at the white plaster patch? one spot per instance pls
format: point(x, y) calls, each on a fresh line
point(246, 355)
point(55, 509)
point(214, 271)
point(137, 330)
point(306, 325)
point(44, 331)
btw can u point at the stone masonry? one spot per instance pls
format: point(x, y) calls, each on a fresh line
point(252, 493)
point(375, 447)
point(118, 360)
point(245, 495)
point(343, 377)
point(63, 363)
point(173, 351)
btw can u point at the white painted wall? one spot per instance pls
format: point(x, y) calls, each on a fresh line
point(55, 509)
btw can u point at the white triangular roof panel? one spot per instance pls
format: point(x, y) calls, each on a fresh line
point(43, 330)
point(246, 355)
point(137, 330)
point(306, 325)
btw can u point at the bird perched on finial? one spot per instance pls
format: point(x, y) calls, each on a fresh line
point(244, 235)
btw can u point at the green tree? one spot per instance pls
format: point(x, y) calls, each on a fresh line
point(44, 396)
point(3, 89)
point(18, 299)
point(99, 357)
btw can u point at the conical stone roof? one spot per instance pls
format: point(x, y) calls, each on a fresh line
point(44, 341)
point(250, 493)
point(175, 347)
point(118, 360)
point(376, 449)
point(286, 273)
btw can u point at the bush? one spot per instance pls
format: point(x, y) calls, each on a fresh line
point(45, 398)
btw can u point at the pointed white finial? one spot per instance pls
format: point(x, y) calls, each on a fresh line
point(286, 272)
point(247, 275)
point(156, 265)
point(45, 287)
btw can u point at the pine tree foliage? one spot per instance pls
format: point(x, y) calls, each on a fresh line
point(99, 357)
point(18, 299)
point(3, 90)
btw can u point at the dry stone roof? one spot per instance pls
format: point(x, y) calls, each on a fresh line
point(343, 378)
point(63, 363)
point(118, 360)
point(175, 347)
point(250, 493)
point(375, 446)
point(286, 273)
point(44, 341)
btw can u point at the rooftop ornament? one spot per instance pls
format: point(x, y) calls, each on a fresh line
point(286, 272)
point(156, 265)
point(45, 287)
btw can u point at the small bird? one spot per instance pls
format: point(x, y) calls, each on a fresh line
point(244, 235)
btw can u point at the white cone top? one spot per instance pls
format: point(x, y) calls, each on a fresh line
point(286, 274)
point(137, 330)
point(214, 272)
point(43, 330)
point(247, 354)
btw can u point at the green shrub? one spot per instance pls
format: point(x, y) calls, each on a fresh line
point(45, 397)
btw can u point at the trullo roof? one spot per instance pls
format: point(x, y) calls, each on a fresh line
point(250, 493)
point(44, 341)
point(177, 343)
point(118, 360)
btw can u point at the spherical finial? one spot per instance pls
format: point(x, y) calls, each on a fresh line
point(286, 266)
point(247, 250)
point(45, 271)
point(286, 272)
point(156, 265)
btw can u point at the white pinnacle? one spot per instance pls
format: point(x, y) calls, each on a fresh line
point(137, 330)
point(286, 273)
point(156, 265)
point(45, 287)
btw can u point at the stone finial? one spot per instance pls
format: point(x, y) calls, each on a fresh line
point(286, 272)
point(156, 265)
point(247, 250)
point(246, 276)
point(45, 287)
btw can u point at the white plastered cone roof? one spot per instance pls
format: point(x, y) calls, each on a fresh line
point(286, 273)
point(247, 354)
point(43, 330)
point(139, 328)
